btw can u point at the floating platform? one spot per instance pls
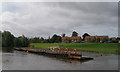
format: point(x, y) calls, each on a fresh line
point(80, 58)
point(55, 54)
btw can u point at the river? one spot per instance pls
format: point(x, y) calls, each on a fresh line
point(18, 60)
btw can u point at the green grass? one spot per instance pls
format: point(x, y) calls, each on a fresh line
point(44, 45)
point(106, 48)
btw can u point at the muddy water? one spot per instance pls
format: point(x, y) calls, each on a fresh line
point(17, 60)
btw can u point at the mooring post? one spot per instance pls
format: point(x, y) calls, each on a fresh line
point(31, 47)
point(74, 51)
point(58, 50)
point(66, 50)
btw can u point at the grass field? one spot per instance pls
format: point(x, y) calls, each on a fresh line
point(106, 48)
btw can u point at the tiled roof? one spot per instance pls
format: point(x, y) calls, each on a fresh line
point(78, 37)
point(96, 37)
point(101, 36)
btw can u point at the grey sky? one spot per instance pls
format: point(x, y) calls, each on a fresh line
point(44, 19)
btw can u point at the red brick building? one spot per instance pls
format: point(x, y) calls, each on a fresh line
point(93, 37)
point(112, 38)
point(71, 39)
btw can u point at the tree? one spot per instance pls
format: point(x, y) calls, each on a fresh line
point(42, 40)
point(74, 34)
point(48, 40)
point(7, 39)
point(17, 42)
point(36, 40)
point(59, 39)
point(23, 41)
point(86, 34)
point(55, 39)
point(63, 35)
point(93, 40)
point(118, 38)
point(105, 39)
point(89, 39)
point(98, 40)
point(67, 40)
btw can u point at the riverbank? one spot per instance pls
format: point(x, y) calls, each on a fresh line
point(105, 48)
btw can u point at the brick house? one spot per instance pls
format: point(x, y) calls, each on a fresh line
point(112, 38)
point(71, 39)
point(93, 37)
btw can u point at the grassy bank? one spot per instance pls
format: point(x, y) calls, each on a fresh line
point(107, 48)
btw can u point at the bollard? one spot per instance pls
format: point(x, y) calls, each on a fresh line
point(31, 47)
point(66, 50)
point(74, 51)
point(58, 50)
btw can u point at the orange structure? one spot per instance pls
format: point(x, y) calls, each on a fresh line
point(58, 50)
point(31, 47)
point(66, 50)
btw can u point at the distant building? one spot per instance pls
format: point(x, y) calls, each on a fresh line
point(113, 38)
point(71, 39)
point(95, 37)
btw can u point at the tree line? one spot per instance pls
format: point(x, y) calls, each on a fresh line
point(9, 40)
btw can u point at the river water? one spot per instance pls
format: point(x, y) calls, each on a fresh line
point(18, 60)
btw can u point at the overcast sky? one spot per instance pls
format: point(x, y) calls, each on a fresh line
point(43, 19)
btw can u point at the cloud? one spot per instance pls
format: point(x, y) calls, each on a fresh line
point(46, 18)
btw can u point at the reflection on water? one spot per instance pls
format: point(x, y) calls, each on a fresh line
point(7, 49)
point(18, 60)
